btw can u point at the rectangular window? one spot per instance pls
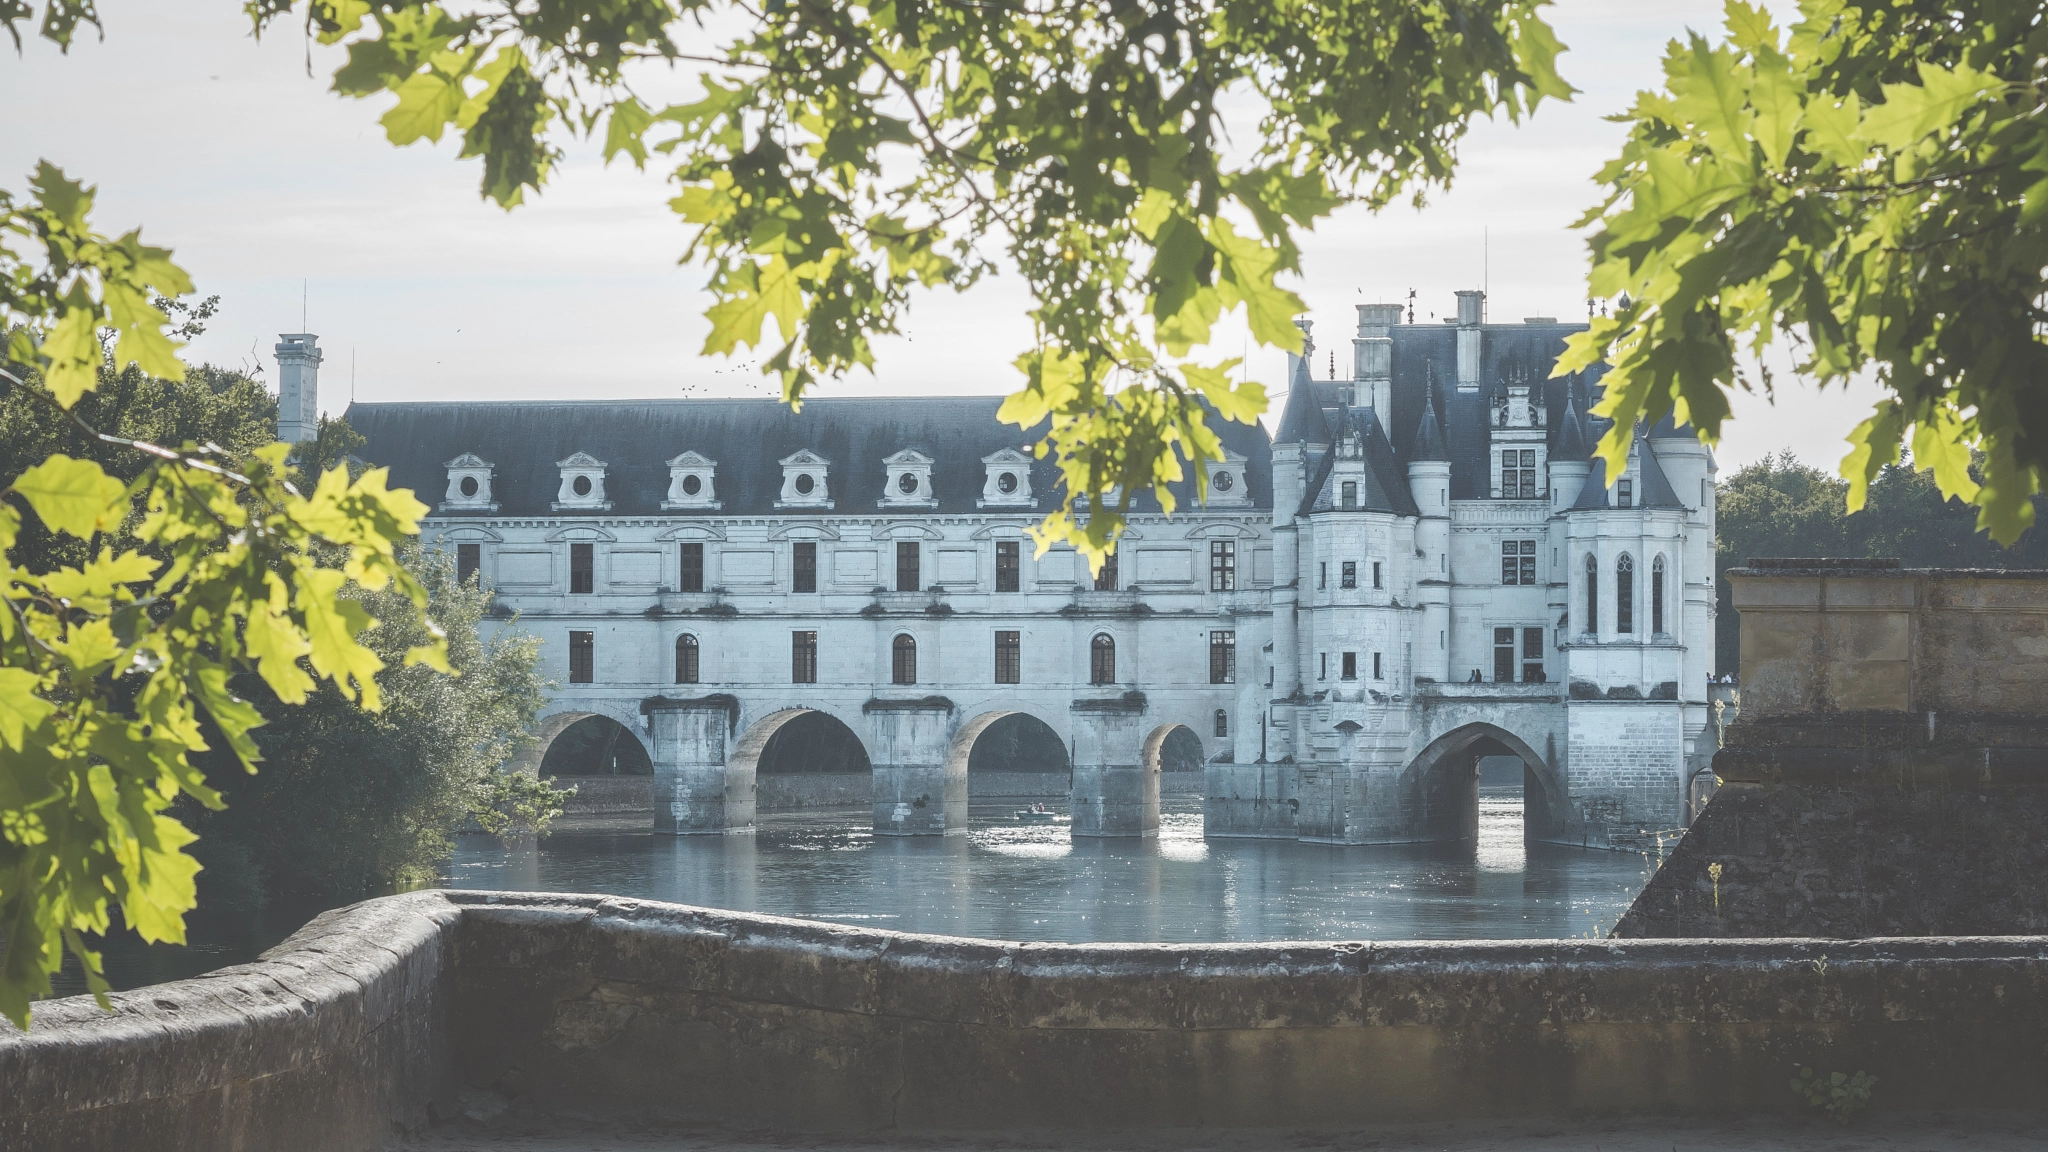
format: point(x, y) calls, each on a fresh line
point(803, 657)
point(582, 568)
point(906, 566)
point(1350, 495)
point(1322, 573)
point(1222, 565)
point(1008, 560)
point(1624, 494)
point(1009, 657)
point(1350, 666)
point(469, 560)
point(1518, 562)
point(1223, 657)
point(691, 578)
point(1504, 655)
point(1322, 665)
point(1105, 580)
point(1532, 656)
point(804, 572)
point(1518, 474)
point(582, 657)
point(1350, 578)
point(1376, 575)
point(1376, 666)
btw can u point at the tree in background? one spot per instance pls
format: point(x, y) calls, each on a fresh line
point(350, 802)
point(1868, 187)
point(1781, 507)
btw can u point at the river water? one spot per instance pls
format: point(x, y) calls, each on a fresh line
point(1011, 881)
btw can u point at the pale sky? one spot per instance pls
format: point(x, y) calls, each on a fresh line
point(267, 186)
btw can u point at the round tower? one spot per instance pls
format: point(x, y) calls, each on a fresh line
point(1429, 480)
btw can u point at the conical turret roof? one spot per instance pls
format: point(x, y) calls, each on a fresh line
point(1429, 436)
point(1301, 421)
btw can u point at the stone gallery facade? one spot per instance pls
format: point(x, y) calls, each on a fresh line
point(1421, 567)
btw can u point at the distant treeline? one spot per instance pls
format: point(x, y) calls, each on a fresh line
point(1780, 507)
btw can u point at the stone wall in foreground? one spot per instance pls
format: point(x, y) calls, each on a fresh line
point(377, 1014)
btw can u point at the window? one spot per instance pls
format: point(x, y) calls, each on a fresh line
point(1518, 474)
point(1007, 561)
point(469, 560)
point(1532, 656)
point(1322, 573)
point(1105, 578)
point(1322, 665)
point(691, 578)
point(1376, 575)
point(686, 659)
point(1518, 562)
point(1504, 655)
point(1350, 666)
point(1350, 495)
point(907, 483)
point(1591, 624)
point(1222, 565)
point(1376, 666)
point(906, 565)
point(1350, 578)
point(1009, 657)
point(903, 660)
point(1624, 494)
point(1222, 724)
point(582, 657)
point(803, 657)
point(1657, 596)
point(1624, 594)
point(1223, 657)
point(582, 568)
point(804, 577)
point(1101, 660)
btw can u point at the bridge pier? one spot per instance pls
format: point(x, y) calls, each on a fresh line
point(697, 786)
point(919, 791)
point(1116, 770)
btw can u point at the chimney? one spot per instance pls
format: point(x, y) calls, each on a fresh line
point(298, 387)
point(1373, 357)
point(1471, 311)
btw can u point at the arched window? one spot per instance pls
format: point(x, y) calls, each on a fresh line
point(1102, 660)
point(1624, 594)
point(686, 659)
point(1592, 621)
point(903, 660)
point(1657, 596)
point(1222, 724)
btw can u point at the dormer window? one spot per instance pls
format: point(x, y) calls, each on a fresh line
point(582, 487)
point(1008, 484)
point(908, 482)
point(691, 483)
point(1227, 487)
point(469, 485)
point(804, 485)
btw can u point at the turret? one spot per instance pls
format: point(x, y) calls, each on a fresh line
point(298, 387)
point(1568, 459)
point(1429, 479)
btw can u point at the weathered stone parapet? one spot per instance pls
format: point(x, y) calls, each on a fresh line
point(378, 1015)
point(1888, 774)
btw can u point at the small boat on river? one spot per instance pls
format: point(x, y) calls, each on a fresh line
point(1036, 814)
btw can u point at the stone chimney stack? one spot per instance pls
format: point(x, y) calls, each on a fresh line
point(1471, 313)
point(1372, 353)
point(298, 387)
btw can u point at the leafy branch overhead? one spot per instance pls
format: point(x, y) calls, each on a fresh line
point(1869, 186)
point(841, 156)
point(113, 673)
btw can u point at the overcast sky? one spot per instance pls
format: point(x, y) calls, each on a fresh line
point(270, 187)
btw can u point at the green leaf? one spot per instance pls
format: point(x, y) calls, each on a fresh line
point(426, 105)
point(20, 708)
point(73, 496)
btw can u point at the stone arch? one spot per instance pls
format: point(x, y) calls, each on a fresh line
point(1009, 783)
point(1155, 744)
point(553, 723)
point(803, 758)
point(1444, 803)
point(603, 803)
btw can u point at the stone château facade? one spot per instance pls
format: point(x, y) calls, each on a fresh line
point(1420, 568)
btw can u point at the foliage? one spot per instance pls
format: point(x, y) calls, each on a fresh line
point(1090, 144)
point(351, 802)
point(513, 804)
point(113, 670)
point(1870, 188)
point(1843, 1095)
point(1780, 507)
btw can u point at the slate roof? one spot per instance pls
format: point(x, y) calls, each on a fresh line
point(1384, 487)
point(636, 438)
point(1653, 488)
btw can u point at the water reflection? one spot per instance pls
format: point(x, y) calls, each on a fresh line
point(1032, 882)
point(1014, 881)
